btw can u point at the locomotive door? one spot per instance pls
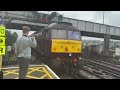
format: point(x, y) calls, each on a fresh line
point(46, 42)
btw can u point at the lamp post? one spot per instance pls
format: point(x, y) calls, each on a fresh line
point(103, 16)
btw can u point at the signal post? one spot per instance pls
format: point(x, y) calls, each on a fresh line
point(2, 47)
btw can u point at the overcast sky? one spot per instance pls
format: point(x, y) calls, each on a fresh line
point(110, 17)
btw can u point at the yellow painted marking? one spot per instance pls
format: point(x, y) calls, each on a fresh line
point(10, 72)
point(26, 76)
point(2, 50)
point(36, 69)
point(32, 70)
point(43, 76)
point(48, 73)
point(32, 77)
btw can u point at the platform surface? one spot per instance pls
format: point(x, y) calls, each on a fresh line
point(34, 72)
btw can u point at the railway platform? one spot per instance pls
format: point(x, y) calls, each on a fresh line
point(34, 72)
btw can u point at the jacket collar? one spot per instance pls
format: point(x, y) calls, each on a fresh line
point(24, 35)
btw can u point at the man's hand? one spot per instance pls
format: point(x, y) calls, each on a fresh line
point(32, 38)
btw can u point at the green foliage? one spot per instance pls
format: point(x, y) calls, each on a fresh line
point(10, 38)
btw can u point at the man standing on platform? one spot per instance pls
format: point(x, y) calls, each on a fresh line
point(23, 51)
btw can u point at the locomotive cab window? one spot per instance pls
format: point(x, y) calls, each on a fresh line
point(66, 34)
point(59, 34)
point(74, 35)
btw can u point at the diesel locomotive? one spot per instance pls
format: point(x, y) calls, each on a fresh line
point(59, 45)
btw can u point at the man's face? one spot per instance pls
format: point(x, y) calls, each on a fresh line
point(28, 33)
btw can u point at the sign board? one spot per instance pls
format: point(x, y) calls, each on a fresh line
point(2, 41)
point(2, 50)
point(2, 30)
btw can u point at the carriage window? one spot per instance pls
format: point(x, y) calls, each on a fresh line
point(59, 34)
point(74, 35)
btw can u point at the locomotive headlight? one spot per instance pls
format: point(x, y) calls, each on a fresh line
point(80, 58)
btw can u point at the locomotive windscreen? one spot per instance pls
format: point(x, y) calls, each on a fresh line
point(74, 35)
point(59, 34)
point(66, 34)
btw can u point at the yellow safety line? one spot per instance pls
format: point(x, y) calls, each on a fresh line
point(16, 73)
point(48, 73)
point(40, 71)
point(43, 76)
point(10, 72)
point(35, 68)
point(32, 70)
point(32, 77)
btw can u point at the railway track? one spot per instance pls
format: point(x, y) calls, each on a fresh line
point(105, 67)
point(105, 59)
point(107, 62)
point(105, 73)
point(88, 73)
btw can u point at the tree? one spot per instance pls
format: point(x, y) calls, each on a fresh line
point(10, 38)
point(10, 41)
